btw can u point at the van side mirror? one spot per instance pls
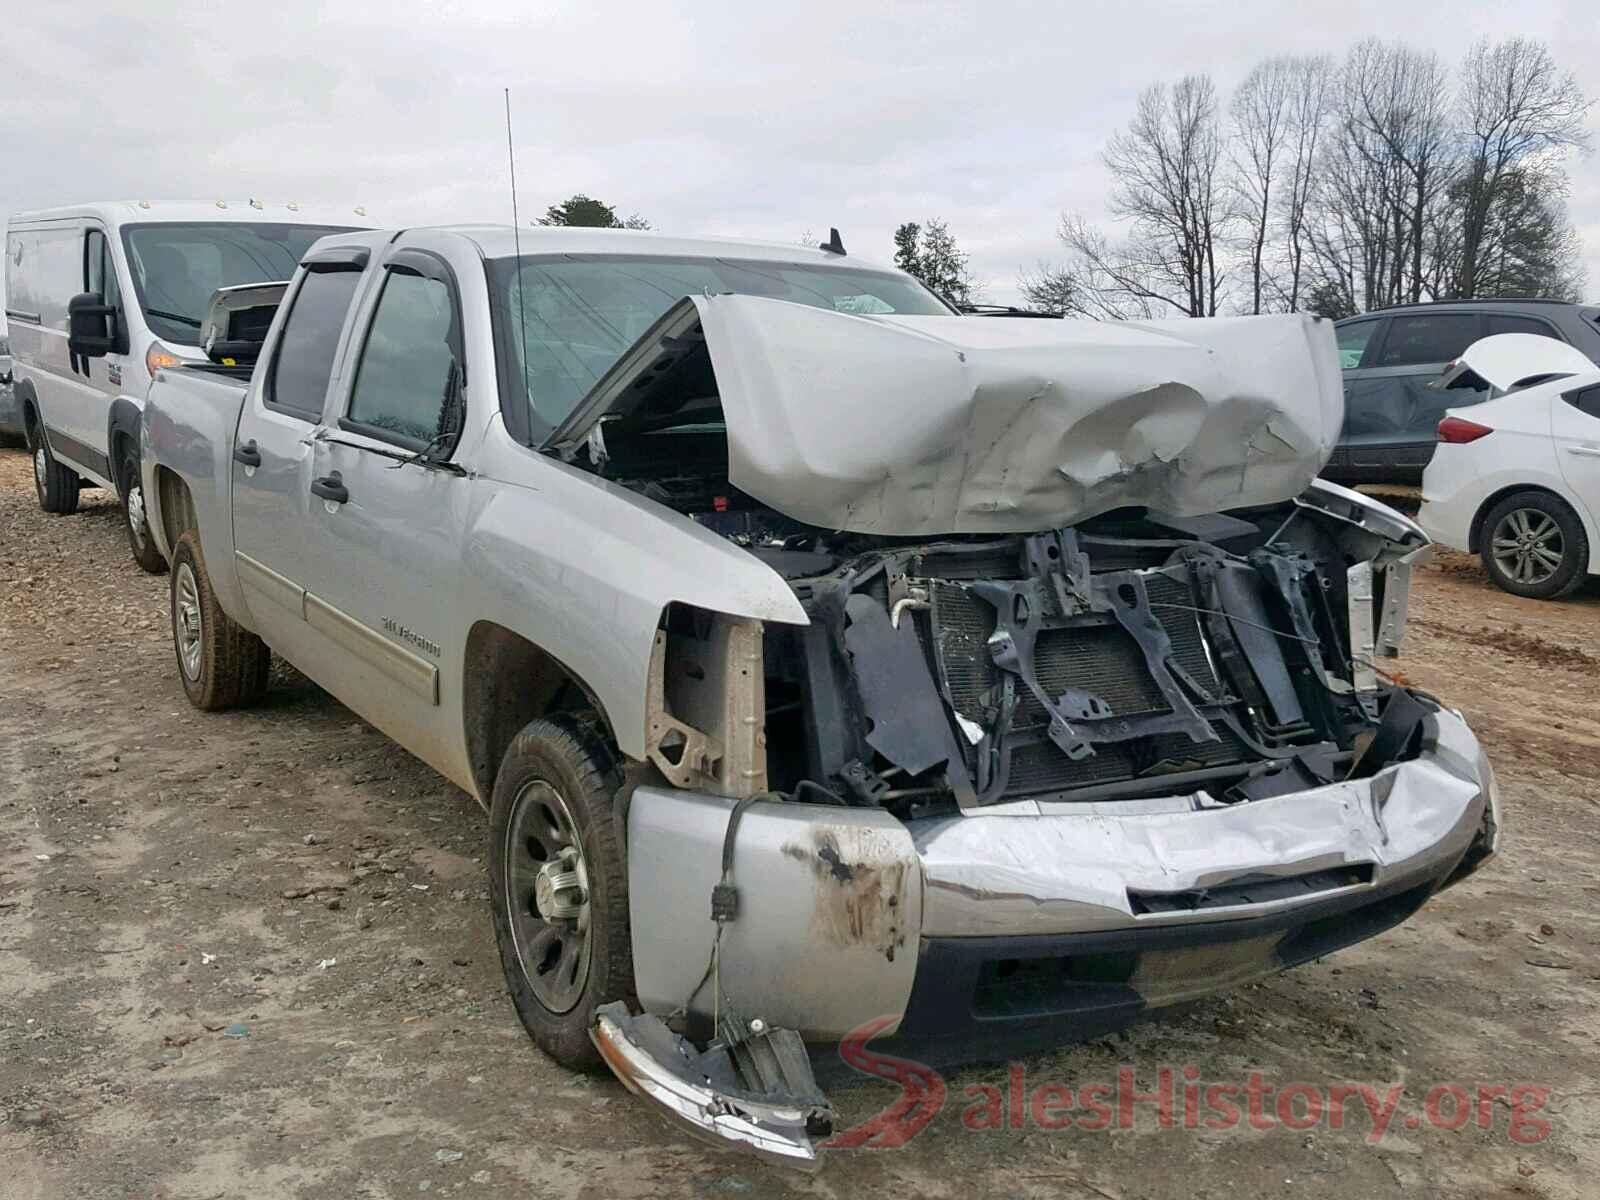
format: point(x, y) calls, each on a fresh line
point(89, 326)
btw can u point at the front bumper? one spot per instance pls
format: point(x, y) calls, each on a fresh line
point(1096, 913)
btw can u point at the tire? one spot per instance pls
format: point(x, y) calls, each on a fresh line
point(220, 664)
point(1533, 544)
point(554, 793)
point(57, 486)
point(135, 521)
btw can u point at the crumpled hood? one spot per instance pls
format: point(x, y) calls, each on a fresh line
point(917, 426)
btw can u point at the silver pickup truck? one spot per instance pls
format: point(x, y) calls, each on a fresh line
point(830, 663)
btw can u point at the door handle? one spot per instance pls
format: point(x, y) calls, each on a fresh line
point(247, 454)
point(1586, 451)
point(331, 488)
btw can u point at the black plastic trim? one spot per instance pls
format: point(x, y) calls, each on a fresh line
point(79, 452)
point(943, 1024)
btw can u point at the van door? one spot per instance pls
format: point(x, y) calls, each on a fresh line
point(384, 539)
point(272, 456)
point(104, 375)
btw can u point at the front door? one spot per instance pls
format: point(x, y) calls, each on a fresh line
point(272, 459)
point(1392, 417)
point(384, 539)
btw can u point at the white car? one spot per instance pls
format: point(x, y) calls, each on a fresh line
point(1516, 479)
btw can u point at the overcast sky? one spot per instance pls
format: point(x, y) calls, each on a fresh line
point(766, 119)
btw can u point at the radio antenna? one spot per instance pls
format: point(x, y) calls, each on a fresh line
point(516, 239)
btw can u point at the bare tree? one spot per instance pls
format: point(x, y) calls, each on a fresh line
point(1383, 176)
point(1053, 288)
point(1167, 187)
point(1310, 96)
point(1262, 110)
point(1515, 104)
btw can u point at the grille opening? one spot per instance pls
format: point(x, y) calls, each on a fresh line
point(1014, 987)
point(1261, 889)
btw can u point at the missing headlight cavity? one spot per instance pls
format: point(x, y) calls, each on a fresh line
point(706, 704)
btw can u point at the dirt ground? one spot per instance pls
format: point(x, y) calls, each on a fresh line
point(170, 881)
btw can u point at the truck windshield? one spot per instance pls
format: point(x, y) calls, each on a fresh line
point(581, 312)
point(176, 267)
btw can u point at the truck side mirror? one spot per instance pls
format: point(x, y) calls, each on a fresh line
point(89, 326)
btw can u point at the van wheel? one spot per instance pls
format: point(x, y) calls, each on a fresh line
point(559, 885)
point(222, 665)
point(138, 525)
point(1533, 545)
point(56, 485)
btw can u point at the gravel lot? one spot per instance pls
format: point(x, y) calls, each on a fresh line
point(169, 881)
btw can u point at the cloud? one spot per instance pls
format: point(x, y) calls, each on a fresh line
point(765, 120)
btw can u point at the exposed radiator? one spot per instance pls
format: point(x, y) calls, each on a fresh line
point(1104, 660)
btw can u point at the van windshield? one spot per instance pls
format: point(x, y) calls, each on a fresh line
point(581, 312)
point(176, 268)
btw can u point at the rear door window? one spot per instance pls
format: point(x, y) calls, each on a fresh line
point(1509, 323)
point(1428, 339)
point(1585, 401)
point(1353, 339)
point(303, 362)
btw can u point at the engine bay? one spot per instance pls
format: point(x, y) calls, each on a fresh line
point(1132, 655)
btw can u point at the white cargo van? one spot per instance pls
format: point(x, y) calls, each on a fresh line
point(99, 297)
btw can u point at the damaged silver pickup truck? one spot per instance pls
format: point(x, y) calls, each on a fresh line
point(826, 660)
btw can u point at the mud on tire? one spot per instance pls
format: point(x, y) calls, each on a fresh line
point(134, 520)
point(220, 664)
point(565, 948)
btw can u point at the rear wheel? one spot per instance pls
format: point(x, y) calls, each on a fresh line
point(559, 885)
point(133, 512)
point(56, 485)
point(1533, 544)
point(222, 665)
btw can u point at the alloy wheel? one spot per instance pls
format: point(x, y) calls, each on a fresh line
point(1528, 545)
point(41, 466)
point(547, 896)
point(187, 621)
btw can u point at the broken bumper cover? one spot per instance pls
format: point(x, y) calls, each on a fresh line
point(1060, 920)
point(765, 1102)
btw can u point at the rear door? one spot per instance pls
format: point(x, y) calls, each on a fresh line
point(1575, 425)
point(272, 453)
point(1391, 433)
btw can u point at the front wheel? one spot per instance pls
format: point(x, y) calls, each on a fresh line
point(559, 884)
point(133, 512)
point(1533, 545)
point(222, 664)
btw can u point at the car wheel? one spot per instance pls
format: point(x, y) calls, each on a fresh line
point(559, 884)
point(133, 512)
point(56, 485)
point(222, 665)
point(1533, 544)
